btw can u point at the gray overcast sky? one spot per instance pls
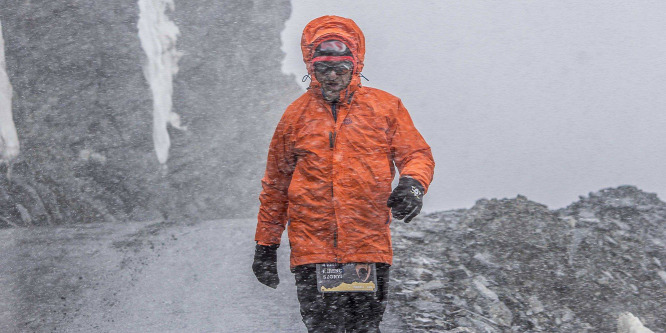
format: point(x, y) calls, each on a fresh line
point(549, 99)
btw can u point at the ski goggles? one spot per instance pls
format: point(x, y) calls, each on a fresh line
point(339, 67)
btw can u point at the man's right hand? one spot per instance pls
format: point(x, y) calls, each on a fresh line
point(265, 265)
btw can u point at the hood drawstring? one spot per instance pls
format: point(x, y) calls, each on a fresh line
point(307, 77)
point(360, 74)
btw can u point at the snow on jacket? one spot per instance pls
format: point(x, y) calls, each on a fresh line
point(328, 181)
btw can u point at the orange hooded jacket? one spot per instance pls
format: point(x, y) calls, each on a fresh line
point(328, 181)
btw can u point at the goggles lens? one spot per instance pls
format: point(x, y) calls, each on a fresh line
point(340, 68)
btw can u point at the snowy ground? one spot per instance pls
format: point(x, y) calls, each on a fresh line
point(142, 277)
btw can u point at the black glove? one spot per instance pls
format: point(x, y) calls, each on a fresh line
point(265, 265)
point(406, 199)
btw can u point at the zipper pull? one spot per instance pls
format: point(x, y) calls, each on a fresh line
point(331, 139)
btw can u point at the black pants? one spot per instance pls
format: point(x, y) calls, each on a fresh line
point(357, 312)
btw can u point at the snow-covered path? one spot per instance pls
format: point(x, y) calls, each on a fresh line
point(201, 282)
point(142, 277)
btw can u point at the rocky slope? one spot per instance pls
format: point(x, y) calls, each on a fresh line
point(513, 265)
point(83, 111)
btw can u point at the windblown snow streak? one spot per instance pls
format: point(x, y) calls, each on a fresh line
point(9, 143)
point(158, 36)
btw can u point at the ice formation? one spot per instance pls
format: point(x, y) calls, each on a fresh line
point(9, 143)
point(158, 35)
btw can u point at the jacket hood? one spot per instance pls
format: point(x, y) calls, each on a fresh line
point(333, 27)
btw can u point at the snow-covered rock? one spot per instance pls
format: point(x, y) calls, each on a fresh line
point(513, 265)
point(628, 323)
point(662, 275)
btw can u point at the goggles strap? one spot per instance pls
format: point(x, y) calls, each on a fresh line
point(333, 58)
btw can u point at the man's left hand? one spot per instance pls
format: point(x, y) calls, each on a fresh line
point(406, 199)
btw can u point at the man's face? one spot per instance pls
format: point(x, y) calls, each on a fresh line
point(334, 77)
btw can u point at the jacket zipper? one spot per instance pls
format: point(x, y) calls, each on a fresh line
point(331, 140)
point(334, 111)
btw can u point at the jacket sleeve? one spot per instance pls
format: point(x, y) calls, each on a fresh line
point(410, 152)
point(272, 217)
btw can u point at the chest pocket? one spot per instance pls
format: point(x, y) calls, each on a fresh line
point(365, 134)
point(313, 137)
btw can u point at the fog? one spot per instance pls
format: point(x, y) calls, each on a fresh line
point(548, 99)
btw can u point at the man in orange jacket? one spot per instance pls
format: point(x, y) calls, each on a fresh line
point(328, 180)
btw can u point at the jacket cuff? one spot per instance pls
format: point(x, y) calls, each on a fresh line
point(267, 244)
point(418, 179)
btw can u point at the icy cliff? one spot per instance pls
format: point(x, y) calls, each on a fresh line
point(86, 113)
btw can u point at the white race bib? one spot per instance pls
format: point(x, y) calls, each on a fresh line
point(353, 277)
